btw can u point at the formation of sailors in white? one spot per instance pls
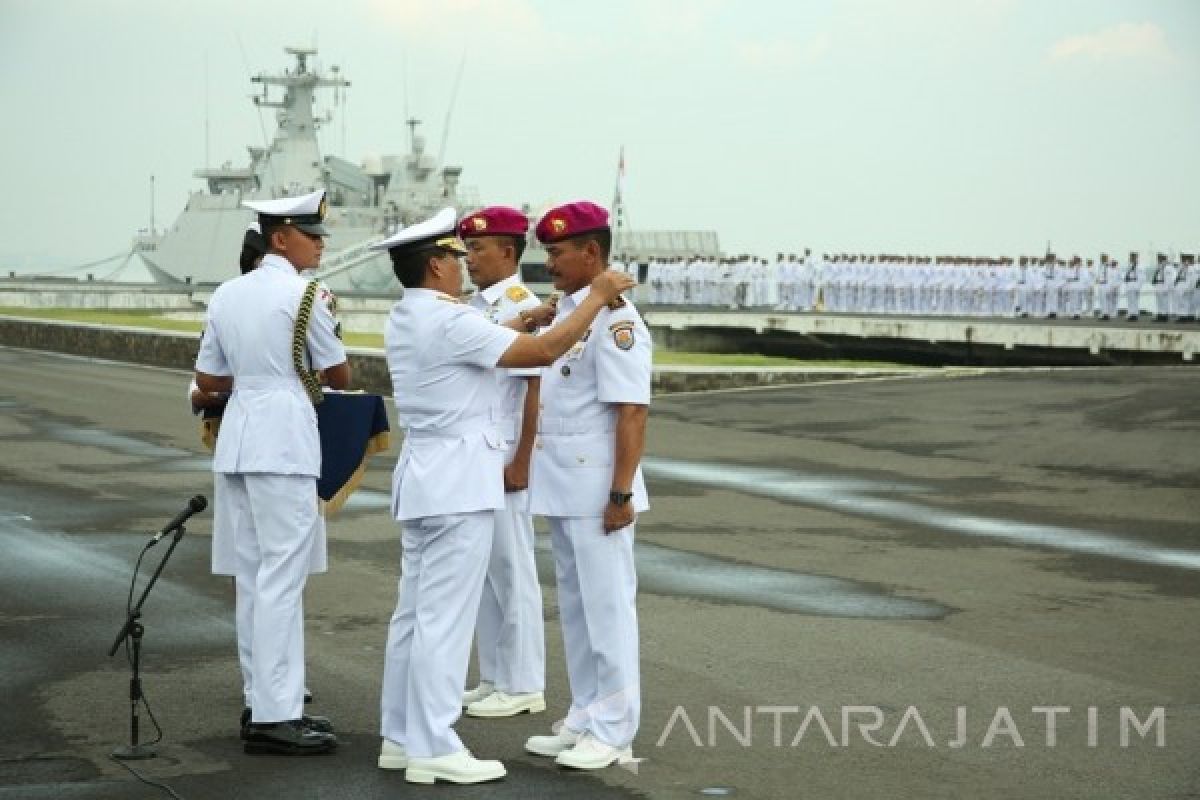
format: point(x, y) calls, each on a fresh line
point(1044, 287)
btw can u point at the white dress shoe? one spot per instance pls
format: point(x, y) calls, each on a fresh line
point(503, 704)
point(551, 746)
point(460, 767)
point(484, 689)
point(392, 756)
point(591, 753)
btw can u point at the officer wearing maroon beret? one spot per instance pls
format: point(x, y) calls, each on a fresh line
point(510, 635)
point(586, 481)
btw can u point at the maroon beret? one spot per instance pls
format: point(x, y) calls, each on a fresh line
point(493, 221)
point(572, 219)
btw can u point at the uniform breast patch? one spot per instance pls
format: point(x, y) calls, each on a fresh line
point(516, 293)
point(329, 299)
point(622, 333)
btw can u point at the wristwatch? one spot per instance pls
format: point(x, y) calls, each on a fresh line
point(528, 321)
point(619, 498)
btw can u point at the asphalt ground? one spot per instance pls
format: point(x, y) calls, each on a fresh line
point(852, 589)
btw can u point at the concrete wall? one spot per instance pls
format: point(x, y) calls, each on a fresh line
point(16, 293)
point(178, 351)
point(940, 341)
point(154, 348)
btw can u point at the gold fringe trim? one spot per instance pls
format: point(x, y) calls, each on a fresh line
point(208, 432)
point(378, 443)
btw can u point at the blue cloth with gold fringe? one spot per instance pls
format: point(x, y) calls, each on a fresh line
point(353, 427)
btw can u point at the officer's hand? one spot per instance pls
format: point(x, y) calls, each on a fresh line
point(543, 314)
point(617, 517)
point(516, 477)
point(610, 283)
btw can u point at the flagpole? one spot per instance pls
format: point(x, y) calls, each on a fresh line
point(618, 203)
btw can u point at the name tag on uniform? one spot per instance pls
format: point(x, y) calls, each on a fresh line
point(577, 349)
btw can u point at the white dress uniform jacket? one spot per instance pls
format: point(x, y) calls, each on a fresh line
point(571, 474)
point(502, 302)
point(452, 461)
point(269, 424)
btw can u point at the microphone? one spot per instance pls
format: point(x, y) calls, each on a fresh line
point(195, 505)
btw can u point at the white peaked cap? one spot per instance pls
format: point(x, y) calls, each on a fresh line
point(438, 230)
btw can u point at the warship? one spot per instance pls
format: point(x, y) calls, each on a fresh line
point(366, 201)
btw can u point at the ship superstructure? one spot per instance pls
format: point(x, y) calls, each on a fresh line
point(366, 201)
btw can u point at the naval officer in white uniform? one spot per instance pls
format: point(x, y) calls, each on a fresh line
point(510, 636)
point(267, 460)
point(447, 487)
point(586, 481)
point(224, 548)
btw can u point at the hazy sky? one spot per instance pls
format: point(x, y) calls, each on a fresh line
point(928, 126)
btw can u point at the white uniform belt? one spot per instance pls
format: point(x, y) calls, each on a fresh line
point(508, 424)
point(598, 423)
point(261, 382)
point(458, 429)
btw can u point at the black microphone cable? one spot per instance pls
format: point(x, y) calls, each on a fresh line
point(144, 701)
point(146, 780)
point(128, 650)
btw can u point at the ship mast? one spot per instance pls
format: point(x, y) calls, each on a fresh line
point(292, 164)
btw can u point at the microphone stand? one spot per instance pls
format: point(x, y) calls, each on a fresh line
point(133, 630)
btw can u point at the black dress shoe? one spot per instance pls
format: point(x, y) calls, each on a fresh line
point(313, 723)
point(290, 738)
point(318, 724)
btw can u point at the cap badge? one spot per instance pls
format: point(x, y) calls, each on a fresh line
point(559, 225)
point(479, 223)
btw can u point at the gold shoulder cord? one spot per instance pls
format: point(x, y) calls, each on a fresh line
point(307, 376)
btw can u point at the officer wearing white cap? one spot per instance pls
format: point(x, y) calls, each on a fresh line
point(225, 522)
point(447, 487)
point(268, 457)
point(587, 482)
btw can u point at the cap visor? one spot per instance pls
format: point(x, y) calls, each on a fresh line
point(313, 229)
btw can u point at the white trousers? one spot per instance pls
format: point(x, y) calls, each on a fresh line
point(597, 589)
point(228, 517)
point(429, 638)
point(1133, 300)
point(1162, 300)
point(276, 523)
point(510, 634)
